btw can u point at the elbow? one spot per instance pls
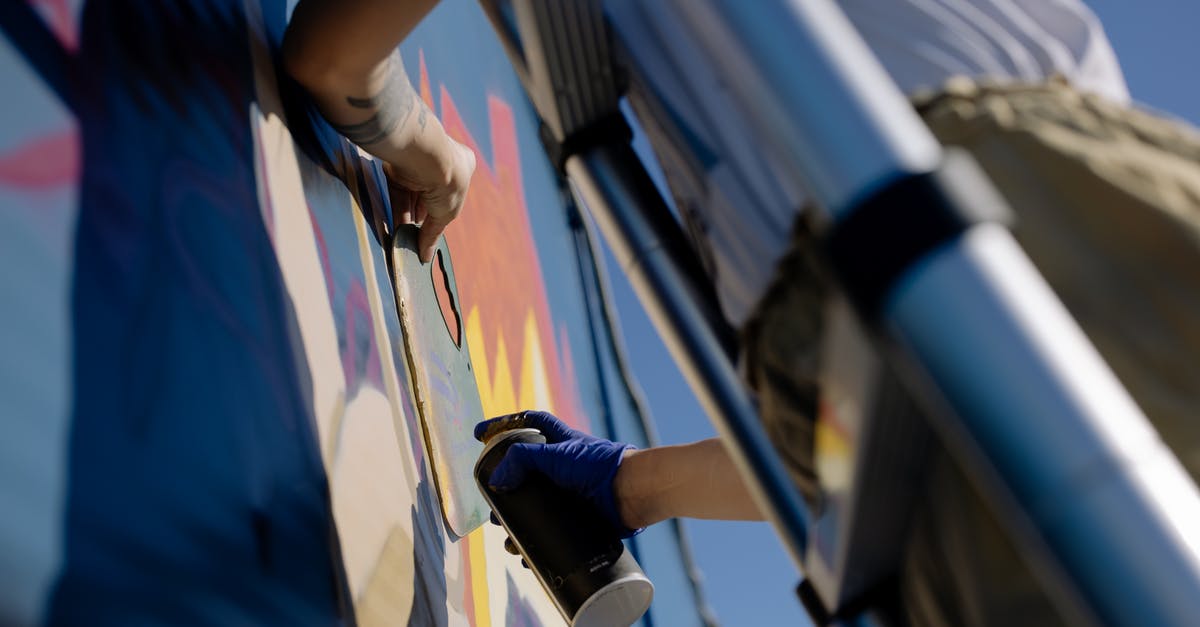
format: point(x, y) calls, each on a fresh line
point(323, 67)
point(328, 46)
point(316, 70)
point(318, 53)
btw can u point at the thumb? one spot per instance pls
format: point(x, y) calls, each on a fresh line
point(518, 461)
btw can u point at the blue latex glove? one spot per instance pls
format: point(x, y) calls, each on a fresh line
point(572, 459)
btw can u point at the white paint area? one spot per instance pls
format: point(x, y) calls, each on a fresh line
point(369, 487)
point(37, 230)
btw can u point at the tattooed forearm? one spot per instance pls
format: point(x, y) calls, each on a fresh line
point(392, 106)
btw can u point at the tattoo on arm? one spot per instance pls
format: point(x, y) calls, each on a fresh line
point(392, 105)
point(421, 117)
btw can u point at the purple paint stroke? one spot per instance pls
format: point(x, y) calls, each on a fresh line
point(322, 252)
point(357, 303)
point(437, 376)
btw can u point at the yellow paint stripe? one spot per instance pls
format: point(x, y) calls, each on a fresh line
point(479, 580)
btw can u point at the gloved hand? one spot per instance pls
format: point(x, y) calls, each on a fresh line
point(573, 460)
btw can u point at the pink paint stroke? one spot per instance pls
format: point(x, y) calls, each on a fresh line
point(61, 20)
point(43, 163)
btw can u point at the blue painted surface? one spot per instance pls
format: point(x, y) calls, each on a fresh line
point(192, 487)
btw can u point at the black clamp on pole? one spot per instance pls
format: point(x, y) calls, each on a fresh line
point(895, 227)
point(609, 129)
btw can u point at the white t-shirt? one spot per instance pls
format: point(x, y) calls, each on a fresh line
point(924, 42)
point(738, 204)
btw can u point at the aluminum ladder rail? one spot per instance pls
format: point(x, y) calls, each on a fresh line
point(1012, 382)
point(826, 107)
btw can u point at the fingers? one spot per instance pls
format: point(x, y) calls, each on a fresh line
point(431, 230)
point(551, 427)
point(485, 429)
point(406, 215)
point(518, 461)
point(482, 428)
point(404, 201)
point(466, 160)
point(554, 429)
point(509, 545)
point(442, 204)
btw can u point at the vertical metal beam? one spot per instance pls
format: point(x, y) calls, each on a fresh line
point(621, 197)
point(590, 255)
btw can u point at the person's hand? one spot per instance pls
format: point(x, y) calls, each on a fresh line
point(430, 191)
point(573, 460)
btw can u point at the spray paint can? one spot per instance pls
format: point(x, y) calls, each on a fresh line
point(574, 552)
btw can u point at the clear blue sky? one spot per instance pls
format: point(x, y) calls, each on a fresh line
point(750, 581)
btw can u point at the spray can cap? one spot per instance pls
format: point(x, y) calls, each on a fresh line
point(505, 423)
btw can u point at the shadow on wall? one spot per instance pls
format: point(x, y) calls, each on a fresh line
point(194, 483)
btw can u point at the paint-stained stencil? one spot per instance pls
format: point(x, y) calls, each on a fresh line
point(447, 396)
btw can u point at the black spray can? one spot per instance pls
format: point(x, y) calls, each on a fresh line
point(575, 553)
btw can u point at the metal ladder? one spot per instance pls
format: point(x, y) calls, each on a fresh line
point(1015, 390)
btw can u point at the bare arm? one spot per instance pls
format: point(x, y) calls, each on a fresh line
point(344, 53)
point(697, 480)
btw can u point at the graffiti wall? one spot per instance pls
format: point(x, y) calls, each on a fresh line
point(226, 394)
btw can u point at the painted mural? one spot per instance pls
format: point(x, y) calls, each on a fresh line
point(212, 406)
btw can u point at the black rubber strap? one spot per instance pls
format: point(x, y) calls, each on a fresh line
point(898, 225)
point(27, 33)
point(811, 600)
point(883, 600)
point(609, 129)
